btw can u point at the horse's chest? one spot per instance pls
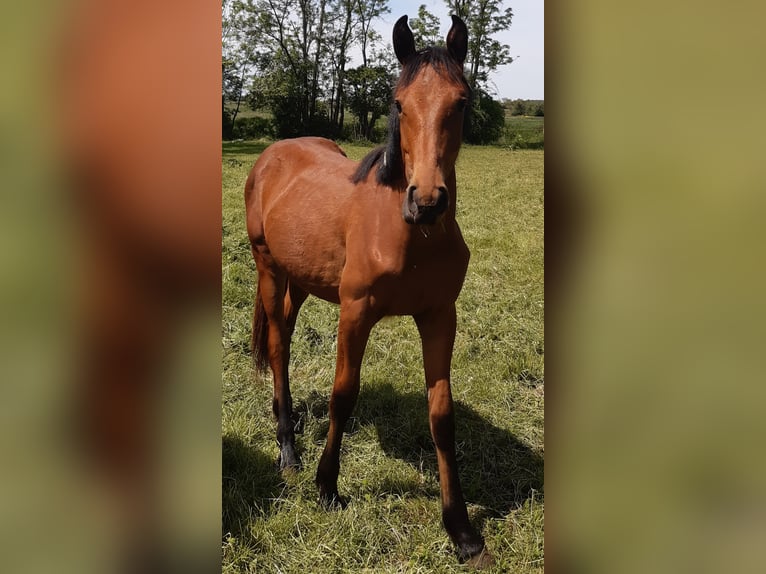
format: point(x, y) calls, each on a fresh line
point(408, 285)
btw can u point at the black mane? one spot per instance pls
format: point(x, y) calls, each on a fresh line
point(388, 157)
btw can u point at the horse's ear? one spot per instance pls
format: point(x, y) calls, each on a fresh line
point(457, 39)
point(404, 41)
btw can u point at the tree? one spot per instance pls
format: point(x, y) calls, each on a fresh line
point(341, 38)
point(367, 11)
point(235, 65)
point(487, 119)
point(518, 108)
point(484, 18)
point(425, 28)
point(287, 47)
point(292, 57)
point(369, 90)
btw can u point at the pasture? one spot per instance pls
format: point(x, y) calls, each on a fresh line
point(274, 523)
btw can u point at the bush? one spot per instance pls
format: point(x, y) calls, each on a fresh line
point(287, 118)
point(485, 121)
point(227, 128)
point(252, 128)
point(518, 108)
point(352, 132)
point(523, 135)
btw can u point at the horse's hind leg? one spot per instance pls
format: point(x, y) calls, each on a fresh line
point(272, 290)
point(294, 298)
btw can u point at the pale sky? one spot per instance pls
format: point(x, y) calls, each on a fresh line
point(523, 78)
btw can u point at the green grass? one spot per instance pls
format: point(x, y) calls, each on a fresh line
point(273, 523)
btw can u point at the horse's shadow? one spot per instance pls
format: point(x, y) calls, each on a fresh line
point(250, 484)
point(497, 471)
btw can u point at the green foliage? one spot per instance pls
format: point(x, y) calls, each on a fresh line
point(291, 57)
point(485, 120)
point(519, 108)
point(484, 19)
point(254, 127)
point(287, 119)
point(227, 127)
point(273, 523)
point(369, 94)
point(425, 28)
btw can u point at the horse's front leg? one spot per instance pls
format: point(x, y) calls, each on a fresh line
point(353, 331)
point(437, 331)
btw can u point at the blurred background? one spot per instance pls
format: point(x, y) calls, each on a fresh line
point(110, 263)
point(654, 209)
point(110, 252)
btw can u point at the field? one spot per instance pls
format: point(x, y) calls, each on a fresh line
point(523, 132)
point(519, 132)
point(274, 523)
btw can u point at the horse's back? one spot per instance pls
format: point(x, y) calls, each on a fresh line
point(294, 161)
point(296, 197)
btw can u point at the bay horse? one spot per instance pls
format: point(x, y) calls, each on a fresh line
point(379, 238)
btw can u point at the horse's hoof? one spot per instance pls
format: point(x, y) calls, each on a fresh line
point(481, 560)
point(332, 501)
point(289, 462)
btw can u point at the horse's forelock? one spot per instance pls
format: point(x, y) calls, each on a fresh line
point(439, 59)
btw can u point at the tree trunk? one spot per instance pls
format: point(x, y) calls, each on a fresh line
point(315, 80)
point(239, 94)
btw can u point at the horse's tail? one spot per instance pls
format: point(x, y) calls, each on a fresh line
point(260, 336)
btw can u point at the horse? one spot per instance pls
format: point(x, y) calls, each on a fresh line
point(379, 238)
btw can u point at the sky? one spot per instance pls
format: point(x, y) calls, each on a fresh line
point(523, 78)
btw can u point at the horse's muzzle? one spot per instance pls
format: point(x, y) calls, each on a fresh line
point(418, 213)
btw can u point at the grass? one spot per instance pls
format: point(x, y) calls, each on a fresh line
point(273, 523)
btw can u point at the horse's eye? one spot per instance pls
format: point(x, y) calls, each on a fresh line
point(398, 106)
point(461, 103)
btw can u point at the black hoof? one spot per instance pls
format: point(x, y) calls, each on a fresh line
point(473, 553)
point(332, 501)
point(288, 460)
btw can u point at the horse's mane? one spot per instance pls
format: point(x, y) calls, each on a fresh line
point(388, 157)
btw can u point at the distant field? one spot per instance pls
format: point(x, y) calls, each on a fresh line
point(523, 132)
point(246, 112)
point(273, 523)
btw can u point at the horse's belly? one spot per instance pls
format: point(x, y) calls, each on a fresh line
point(306, 190)
point(310, 251)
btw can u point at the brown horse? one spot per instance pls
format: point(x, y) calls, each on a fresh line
point(379, 238)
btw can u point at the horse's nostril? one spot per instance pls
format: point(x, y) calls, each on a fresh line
point(443, 201)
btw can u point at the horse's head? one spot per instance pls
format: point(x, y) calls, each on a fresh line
point(430, 101)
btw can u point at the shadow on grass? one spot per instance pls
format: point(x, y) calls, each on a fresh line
point(247, 147)
point(249, 486)
point(497, 471)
